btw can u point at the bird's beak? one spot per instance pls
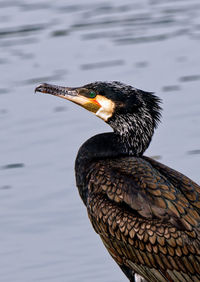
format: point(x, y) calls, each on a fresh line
point(71, 94)
point(60, 91)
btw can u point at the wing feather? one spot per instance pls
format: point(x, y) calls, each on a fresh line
point(145, 218)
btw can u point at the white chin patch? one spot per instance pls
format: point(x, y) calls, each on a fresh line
point(107, 107)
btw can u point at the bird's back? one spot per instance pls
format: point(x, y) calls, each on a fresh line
point(147, 216)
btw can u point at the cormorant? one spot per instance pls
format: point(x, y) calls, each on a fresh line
point(147, 214)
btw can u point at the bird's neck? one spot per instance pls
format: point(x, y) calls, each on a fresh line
point(102, 146)
point(134, 133)
point(105, 145)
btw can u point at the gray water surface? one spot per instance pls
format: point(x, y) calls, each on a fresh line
point(153, 45)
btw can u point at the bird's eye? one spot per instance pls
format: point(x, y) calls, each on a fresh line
point(92, 94)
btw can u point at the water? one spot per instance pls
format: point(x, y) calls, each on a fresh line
point(153, 45)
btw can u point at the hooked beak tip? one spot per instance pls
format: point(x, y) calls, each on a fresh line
point(41, 88)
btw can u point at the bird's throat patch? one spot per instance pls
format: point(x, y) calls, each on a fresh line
point(92, 106)
point(107, 107)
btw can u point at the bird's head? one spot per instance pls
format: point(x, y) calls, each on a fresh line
point(129, 111)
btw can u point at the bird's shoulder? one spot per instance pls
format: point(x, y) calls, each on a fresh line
point(188, 187)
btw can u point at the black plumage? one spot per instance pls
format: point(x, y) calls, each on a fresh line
point(147, 214)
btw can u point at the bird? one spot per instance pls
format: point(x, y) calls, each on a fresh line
point(146, 213)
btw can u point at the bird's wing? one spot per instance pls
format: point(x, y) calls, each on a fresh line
point(188, 188)
point(144, 220)
point(146, 190)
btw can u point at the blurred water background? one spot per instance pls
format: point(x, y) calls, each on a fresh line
point(154, 45)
